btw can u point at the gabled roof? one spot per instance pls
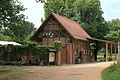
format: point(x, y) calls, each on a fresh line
point(72, 27)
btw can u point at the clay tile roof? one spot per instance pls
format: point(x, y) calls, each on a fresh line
point(72, 27)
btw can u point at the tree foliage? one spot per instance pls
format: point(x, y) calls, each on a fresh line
point(13, 25)
point(2, 37)
point(9, 13)
point(22, 30)
point(114, 27)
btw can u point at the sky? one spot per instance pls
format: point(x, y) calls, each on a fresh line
point(35, 11)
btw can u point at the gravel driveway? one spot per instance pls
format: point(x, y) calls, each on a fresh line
point(91, 71)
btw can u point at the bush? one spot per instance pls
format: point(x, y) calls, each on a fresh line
point(15, 52)
point(57, 45)
point(9, 63)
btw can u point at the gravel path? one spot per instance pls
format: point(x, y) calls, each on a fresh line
point(91, 71)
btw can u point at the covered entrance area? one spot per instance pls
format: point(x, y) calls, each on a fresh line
point(109, 52)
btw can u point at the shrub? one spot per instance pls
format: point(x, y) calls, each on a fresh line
point(26, 48)
point(57, 45)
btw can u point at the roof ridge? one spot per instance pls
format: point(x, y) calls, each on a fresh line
point(72, 22)
point(71, 26)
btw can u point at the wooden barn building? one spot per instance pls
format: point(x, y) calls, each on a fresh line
point(76, 41)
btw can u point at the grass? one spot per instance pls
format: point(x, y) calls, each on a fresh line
point(8, 72)
point(112, 72)
point(8, 79)
point(5, 71)
point(12, 72)
point(100, 56)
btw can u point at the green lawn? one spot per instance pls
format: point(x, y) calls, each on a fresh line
point(5, 71)
point(9, 72)
point(111, 73)
point(100, 56)
point(8, 79)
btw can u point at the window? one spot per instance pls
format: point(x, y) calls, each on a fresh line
point(62, 33)
point(69, 40)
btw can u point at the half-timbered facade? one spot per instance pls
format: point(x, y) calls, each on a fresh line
point(76, 46)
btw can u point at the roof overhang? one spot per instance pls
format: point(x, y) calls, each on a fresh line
point(100, 40)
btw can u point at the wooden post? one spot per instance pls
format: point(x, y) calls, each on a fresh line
point(48, 58)
point(72, 53)
point(106, 57)
point(59, 58)
point(115, 51)
point(71, 50)
point(118, 48)
point(66, 48)
point(111, 46)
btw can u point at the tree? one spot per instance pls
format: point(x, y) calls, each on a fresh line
point(114, 27)
point(2, 37)
point(12, 22)
point(56, 6)
point(21, 30)
point(10, 12)
point(42, 1)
